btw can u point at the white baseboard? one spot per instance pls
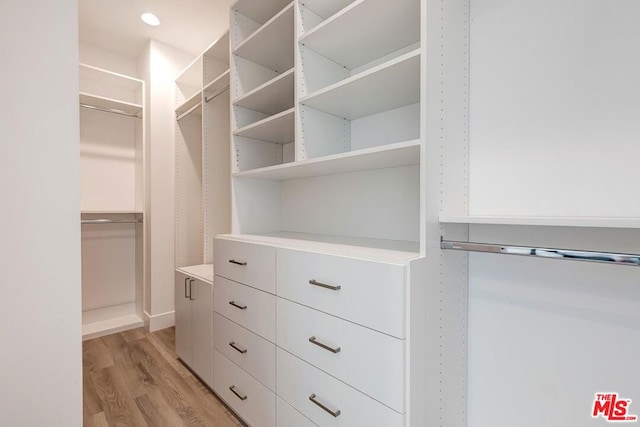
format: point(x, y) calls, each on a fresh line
point(159, 321)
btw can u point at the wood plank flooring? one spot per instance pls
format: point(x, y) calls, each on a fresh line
point(134, 379)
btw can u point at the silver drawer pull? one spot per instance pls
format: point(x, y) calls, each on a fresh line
point(233, 261)
point(237, 393)
point(240, 306)
point(237, 348)
point(313, 340)
point(323, 406)
point(314, 282)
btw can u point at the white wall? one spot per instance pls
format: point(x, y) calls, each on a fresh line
point(41, 365)
point(165, 63)
point(545, 335)
point(112, 61)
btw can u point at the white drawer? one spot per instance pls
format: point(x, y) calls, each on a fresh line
point(287, 416)
point(248, 307)
point(252, 353)
point(253, 402)
point(368, 360)
point(251, 264)
point(371, 293)
point(298, 382)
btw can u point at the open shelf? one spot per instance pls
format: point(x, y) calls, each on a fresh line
point(279, 129)
point(259, 10)
point(326, 8)
point(189, 104)
point(390, 85)
point(386, 156)
point(594, 222)
point(391, 251)
point(271, 45)
point(189, 81)
point(110, 104)
point(202, 271)
point(366, 30)
point(109, 320)
point(215, 60)
point(274, 96)
point(110, 85)
point(110, 211)
point(217, 85)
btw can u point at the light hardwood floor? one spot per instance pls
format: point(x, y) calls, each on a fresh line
point(134, 379)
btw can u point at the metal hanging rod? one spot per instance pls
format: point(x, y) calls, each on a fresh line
point(217, 94)
point(111, 221)
point(189, 111)
point(110, 110)
point(553, 253)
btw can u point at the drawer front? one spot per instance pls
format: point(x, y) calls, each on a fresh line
point(298, 383)
point(248, 307)
point(251, 264)
point(371, 293)
point(287, 416)
point(252, 353)
point(251, 400)
point(367, 360)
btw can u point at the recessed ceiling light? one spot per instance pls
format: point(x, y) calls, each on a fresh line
point(150, 18)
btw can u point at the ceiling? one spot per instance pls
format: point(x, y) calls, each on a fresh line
point(190, 25)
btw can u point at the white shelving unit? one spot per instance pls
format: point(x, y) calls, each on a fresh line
point(326, 96)
point(389, 27)
point(263, 84)
point(112, 189)
point(202, 174)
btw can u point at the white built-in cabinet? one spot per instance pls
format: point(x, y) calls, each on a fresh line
point(194, 320)
point(112, 200)
point(202, 199)
point(320, 289)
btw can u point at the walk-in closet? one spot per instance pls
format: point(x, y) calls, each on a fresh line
point(331, 213)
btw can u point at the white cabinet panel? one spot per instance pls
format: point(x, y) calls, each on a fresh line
point(248, 307)
point(244, 394)
point(202, 330)
point(287, 416)
point(298, 383)
point(249, 351)
point(251, 264)
point(194, 325)
point(183, 318)
point(370, 293)
point(368, 360)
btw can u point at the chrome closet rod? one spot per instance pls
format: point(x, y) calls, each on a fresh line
point(217, 94)
point(110, 110)
point(111, 221)
point(552, 253)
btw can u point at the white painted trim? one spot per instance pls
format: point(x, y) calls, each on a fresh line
point(159, 321)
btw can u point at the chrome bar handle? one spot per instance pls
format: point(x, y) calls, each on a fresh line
point(240, 395)
point(186, 295)
point(323, 406)
point(240, 306)
point(237, 348)
point(313, 340)
point(314, 282)
point(242, 263)
point(191, 290)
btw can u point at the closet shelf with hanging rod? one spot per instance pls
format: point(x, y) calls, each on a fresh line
point(111, 221)
point(110, 105)
point(552, 253)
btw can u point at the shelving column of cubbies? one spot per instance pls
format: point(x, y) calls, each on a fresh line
point(359, 83)
point(262, 83)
